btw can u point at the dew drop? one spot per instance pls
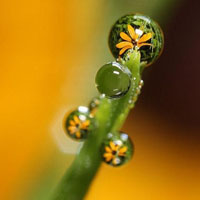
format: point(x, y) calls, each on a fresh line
point(135, 98)
point(113, 80)
point(117, 149)
point(141, 83)
point(138, 90)
point(77, 123)
point(93, 106)
point(149, 42)
point(130, 101)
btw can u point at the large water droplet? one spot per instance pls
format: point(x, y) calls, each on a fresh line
point(117, 149)
point(77, 123)
point(113, 80)
point(139, 32)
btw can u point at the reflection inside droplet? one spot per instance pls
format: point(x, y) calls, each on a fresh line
point(117, 149)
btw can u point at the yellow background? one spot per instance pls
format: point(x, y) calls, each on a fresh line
point(50, 51)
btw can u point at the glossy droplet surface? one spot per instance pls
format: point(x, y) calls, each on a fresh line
point(117, 149)
point(113, 80)
point(136, 32)
point(77, 123)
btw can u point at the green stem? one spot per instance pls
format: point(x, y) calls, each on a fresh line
point(110, 116)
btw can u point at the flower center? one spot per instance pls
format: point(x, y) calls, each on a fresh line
point(114, 152)
point(78, 127)
point(134, 42)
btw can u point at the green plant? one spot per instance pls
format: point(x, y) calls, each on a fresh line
point(136, 41)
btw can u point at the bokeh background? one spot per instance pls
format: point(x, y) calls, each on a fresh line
point(50, 51)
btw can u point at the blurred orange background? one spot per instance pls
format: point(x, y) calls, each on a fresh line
point(49, 54)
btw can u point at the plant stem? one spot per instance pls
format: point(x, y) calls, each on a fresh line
point(110, 117)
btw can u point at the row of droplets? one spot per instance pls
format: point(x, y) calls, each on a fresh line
point(117, 148)
point(113, 80)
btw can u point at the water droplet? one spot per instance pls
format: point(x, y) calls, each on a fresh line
point(113, 80)
point(130, 101)
point(142, 33)
point(93, 106)
point(135, 98)
point(117, 150)
point(138, 90)
point(77, 123)
point(141, 83)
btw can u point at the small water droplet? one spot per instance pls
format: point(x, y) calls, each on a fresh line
point(113, 80)
point(117, 149)
point(93, 106)
point(130, 101)
point(135, 98)
point(141, 82)
point(77, 123)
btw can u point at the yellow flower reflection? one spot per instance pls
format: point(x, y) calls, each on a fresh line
point(76, 125)
point(113, 152)
point(133, 40)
